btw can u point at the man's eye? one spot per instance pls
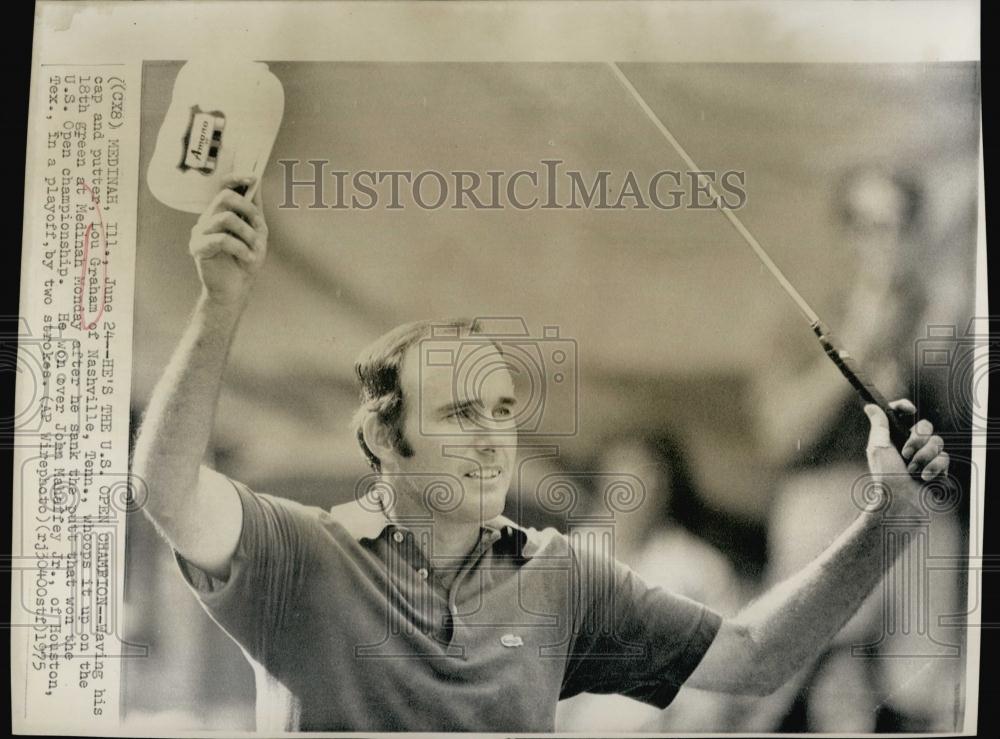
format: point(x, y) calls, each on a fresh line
point(470, 413)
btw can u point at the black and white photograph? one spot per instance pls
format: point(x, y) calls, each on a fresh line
point(445, 262)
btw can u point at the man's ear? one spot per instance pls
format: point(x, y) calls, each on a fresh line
point(377, 437)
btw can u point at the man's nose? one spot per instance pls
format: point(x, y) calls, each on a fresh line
point(486, 439)
point(484, 425)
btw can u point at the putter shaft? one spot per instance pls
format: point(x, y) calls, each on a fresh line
point(837, 354)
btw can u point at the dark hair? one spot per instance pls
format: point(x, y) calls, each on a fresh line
point(906, 184)
point(683, 504)
point(671, 456)
point(378, 370)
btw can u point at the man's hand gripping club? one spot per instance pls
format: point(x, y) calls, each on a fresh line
point(778, 634)
point(922, 456)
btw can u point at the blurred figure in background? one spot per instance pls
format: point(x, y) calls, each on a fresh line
point(808, 414)
point(893, 667)
point(545, 492)
point(644, 493)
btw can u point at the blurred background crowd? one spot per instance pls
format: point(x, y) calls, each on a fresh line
point(713, 436)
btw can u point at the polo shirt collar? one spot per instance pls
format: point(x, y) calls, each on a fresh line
point(362, 522)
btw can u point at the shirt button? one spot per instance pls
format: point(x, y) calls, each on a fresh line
point(398, 537)
point(423, 573)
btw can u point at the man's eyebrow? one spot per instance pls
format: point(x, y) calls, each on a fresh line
point(463, 405)
point(455, 406)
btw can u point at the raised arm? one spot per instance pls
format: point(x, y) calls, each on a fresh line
point(772, 638)
point(197, 509)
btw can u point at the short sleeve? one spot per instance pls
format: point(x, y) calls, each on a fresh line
point(631, 638)
point(267, 570)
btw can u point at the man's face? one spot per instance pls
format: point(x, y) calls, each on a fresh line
point(463, 441)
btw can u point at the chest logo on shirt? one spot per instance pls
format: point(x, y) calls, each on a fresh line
point(511, 640)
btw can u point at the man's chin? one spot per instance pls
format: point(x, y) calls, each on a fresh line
point(491, 501)
point(493, 505)
point(491, 510)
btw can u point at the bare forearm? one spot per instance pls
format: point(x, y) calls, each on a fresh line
point(178, 421)
point(796, 619)
point(777, 635)
point(195, 508)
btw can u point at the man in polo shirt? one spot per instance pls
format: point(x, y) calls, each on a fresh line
point(419, 607)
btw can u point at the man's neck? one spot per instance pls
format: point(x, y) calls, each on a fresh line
point(454, 539)
point(452, 543)
point(450, 540)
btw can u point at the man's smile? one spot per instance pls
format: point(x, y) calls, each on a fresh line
point(485, 473)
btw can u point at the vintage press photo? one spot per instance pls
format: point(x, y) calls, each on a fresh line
point(631, 382)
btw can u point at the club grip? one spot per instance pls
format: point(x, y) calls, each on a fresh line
point(899, 426)
point(899, 422)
